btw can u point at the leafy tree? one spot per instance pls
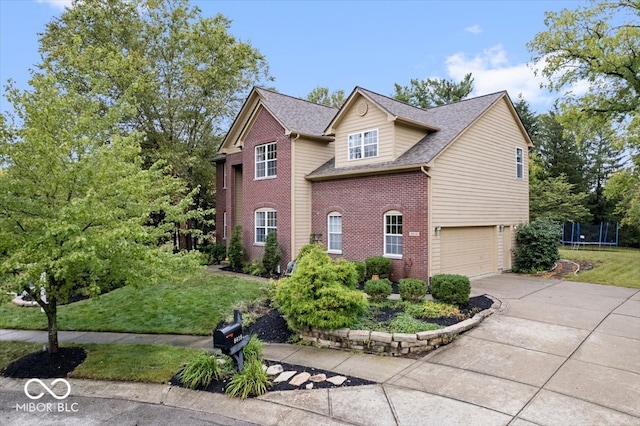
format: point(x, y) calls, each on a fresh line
point(553, 199)
point(599, 44)
point(433, 91)
point(321, 95)
point(624, 186)
point(76, 204)
point(184, 74)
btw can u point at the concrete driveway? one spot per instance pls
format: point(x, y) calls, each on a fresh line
point(556, 353)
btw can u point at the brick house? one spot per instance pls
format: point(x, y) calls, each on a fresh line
point(436, 190)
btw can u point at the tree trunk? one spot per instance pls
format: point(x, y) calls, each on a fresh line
point(51, 310)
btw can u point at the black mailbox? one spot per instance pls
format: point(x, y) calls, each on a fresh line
point(231, 340)
point(224, 338)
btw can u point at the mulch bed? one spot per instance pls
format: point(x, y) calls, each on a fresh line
point(41, 365)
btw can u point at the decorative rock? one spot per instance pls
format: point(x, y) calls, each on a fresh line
point(300, 379)
point(309, 386)
point(275, 369)
point(318, 378)
point(404, 337)
point(426, 335)
point(284, 376)
point(337, 380)
point(340, 332)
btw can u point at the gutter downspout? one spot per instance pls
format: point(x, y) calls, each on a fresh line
point(423, 169)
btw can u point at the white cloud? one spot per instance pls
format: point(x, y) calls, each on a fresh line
point(474, 29)
point(58, 4)
point(492, 72)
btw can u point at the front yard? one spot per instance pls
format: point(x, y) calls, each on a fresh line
point(187, 305)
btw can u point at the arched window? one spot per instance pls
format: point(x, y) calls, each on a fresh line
point(334, 232)
point(265, 222)
point(393, 241)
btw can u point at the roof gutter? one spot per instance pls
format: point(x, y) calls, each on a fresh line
point(362, 173)
point(308, 136)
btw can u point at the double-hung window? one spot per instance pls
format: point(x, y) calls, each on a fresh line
point(266, 222)
point(519, 163)
point(363, 144)
point(266, 160)
point(334, 225)
point(393, 242)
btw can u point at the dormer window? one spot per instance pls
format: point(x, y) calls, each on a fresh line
point(363, 144)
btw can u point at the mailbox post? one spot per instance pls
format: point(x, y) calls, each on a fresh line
point(231, 340)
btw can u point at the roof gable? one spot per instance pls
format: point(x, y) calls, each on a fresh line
point(295, 115)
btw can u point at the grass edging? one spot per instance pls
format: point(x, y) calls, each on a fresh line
point(393, 344)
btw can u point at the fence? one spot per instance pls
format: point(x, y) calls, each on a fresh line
point(580, 234)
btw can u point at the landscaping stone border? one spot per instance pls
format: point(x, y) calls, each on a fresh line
point(393, 344)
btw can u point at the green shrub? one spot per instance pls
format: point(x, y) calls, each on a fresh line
point(405, 323)
point(236, 249)
point(203, 369)
point(412, 289)
point(347, 273)
point(314, 295)
point(378, 265)
point(254, 268)
point(537, 246)
point(215, 252)
point(433, 309)
point(272, 253)
point(252, 381)
point(378, 289)
point(360, 268)
point(450, 288)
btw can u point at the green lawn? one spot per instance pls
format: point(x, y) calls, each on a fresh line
point(193, 305)
point(133, 363)
point(612, 266)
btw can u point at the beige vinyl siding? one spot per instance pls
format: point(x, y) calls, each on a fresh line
point(405, 137)
point(306, 156)
point(375, 118)
point(474, 179)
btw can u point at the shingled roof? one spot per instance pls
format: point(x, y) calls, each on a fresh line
point(297, 115)
point(451, 119)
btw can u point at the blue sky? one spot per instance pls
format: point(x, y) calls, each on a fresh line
point(340, 44)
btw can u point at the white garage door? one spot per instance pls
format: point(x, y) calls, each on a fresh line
point(468, 251)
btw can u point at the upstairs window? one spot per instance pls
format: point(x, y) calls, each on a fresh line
point(393, 243)
point(363, 145)
point(519, 163)
point(266, 221)
point(266, 161)
point(335, 233)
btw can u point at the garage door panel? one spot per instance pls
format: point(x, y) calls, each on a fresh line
point(468, 251)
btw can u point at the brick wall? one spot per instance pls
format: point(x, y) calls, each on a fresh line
point(272, 193)
point(363, 202)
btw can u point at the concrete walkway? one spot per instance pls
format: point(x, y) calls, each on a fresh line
point(556, 353)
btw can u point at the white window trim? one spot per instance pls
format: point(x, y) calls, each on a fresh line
point(266, 225)
point(520, 164)
point(329, 233)
point(384, 242)
point(362, 145)
point(265, 161)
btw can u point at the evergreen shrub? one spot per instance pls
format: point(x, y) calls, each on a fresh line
point(378, 265)
point(451, 288)
point(378, 289)
point(272, 253)
point(347, 273)
point(236, 249)
point(314, 296)
point(412, 289)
